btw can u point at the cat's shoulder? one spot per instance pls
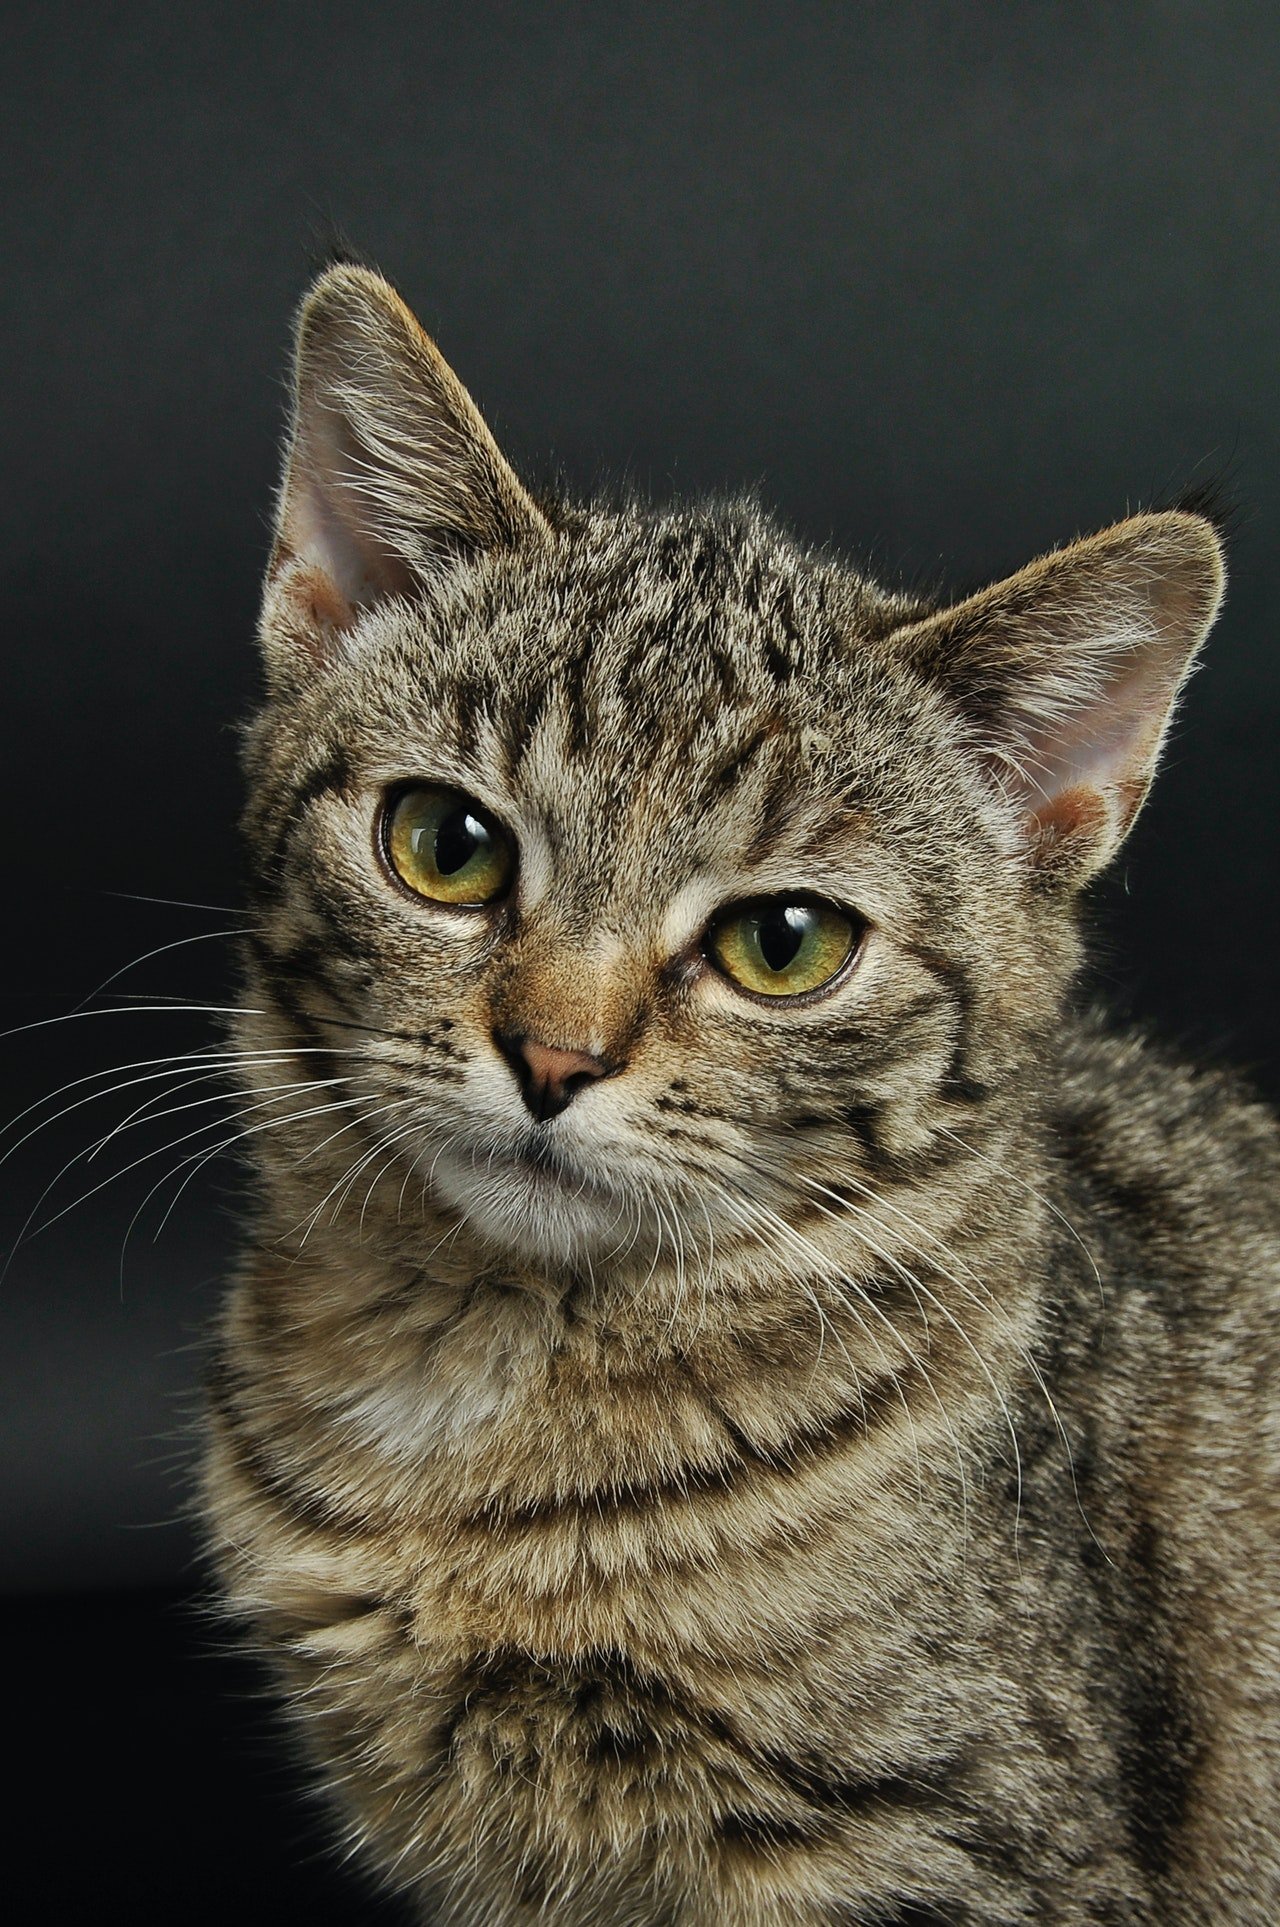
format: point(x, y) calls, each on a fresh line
point(1183, 1150)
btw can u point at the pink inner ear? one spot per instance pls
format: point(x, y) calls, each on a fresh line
point(1077, 815)
point(1087, 778)
point(304, 608)
point(1105, 749)
point(1069, 670)
point(343, 558)
point(320, 597)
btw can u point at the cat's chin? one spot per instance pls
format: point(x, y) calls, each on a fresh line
point(528, 1206)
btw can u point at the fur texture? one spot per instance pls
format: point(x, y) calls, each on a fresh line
point(826, 1473)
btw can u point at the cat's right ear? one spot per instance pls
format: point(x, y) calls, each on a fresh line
point(390, 472)
point(1067, 674)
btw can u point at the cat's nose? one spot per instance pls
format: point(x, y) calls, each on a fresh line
point(549, 1077)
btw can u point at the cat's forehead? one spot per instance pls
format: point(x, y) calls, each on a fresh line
point(638, 639)
point(688, 688)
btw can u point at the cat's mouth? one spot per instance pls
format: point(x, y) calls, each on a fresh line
point(531, 1197)
point(540, 1164)
point(535, 1153)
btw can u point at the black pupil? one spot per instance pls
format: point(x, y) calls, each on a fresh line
point(457, 840)
point(781, 933)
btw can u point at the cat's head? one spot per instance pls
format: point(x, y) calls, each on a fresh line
point(644, 873)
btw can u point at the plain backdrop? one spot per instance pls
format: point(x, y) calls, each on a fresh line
point(946, 283)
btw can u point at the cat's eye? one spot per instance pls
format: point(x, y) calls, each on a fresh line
point(780, 948)
point(446, 847)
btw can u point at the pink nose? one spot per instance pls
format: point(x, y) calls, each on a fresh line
point(549, 1077)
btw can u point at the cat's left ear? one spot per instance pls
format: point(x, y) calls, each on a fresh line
point(390, 471)
point(1067, 675)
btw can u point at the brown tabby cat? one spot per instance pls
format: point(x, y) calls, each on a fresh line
point(740, 1407)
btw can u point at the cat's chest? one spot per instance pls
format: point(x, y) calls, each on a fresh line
point(512, 1409)
point(537, 1491)
point(581, 1603)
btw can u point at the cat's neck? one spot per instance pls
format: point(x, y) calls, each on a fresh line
point(451, 1352)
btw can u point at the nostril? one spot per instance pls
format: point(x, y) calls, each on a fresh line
point(549, 1076)
point(510, 1047)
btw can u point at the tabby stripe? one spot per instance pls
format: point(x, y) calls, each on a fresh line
point(732, 770)
point(806, 1448)
point(779, 666)
point(579, 707)
point(956, 1080)
point(646, 1714)
point(779, 660)
point(878, 1044)
point(340, 913)
point(287, 1000)
point(469, 707)
point(333, 774)
point(766, 1833)
point(305, 963)
point(279, 983)
point(917, 1914)
point(300, 1503)
point(919, 1788)
point(776, 810)
point(518, 725)
point(285, 985)
point(865, 1120)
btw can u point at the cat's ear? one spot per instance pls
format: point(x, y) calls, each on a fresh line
point(390, 471)
point(1067, 675)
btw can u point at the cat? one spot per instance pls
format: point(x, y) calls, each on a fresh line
point(741, 1404)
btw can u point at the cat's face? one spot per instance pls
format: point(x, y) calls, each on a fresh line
point(653, 877)
point(669, 732)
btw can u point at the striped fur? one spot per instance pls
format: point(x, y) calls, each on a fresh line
point(827, 1474)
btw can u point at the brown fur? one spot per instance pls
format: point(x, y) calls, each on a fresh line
point(828, 1473)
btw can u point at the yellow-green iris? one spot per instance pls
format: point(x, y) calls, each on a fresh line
point(444, 846)
point(781, 949)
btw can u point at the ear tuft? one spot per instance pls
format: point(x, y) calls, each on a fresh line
point(331, 247)
point(390, 472)
point(1067, 675)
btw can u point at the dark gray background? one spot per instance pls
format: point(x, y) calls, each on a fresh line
point(949, 283)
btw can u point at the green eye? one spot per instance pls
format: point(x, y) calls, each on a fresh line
point(780, 949)
point(444, 846)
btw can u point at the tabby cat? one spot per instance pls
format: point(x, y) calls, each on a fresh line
point(740, 1406)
